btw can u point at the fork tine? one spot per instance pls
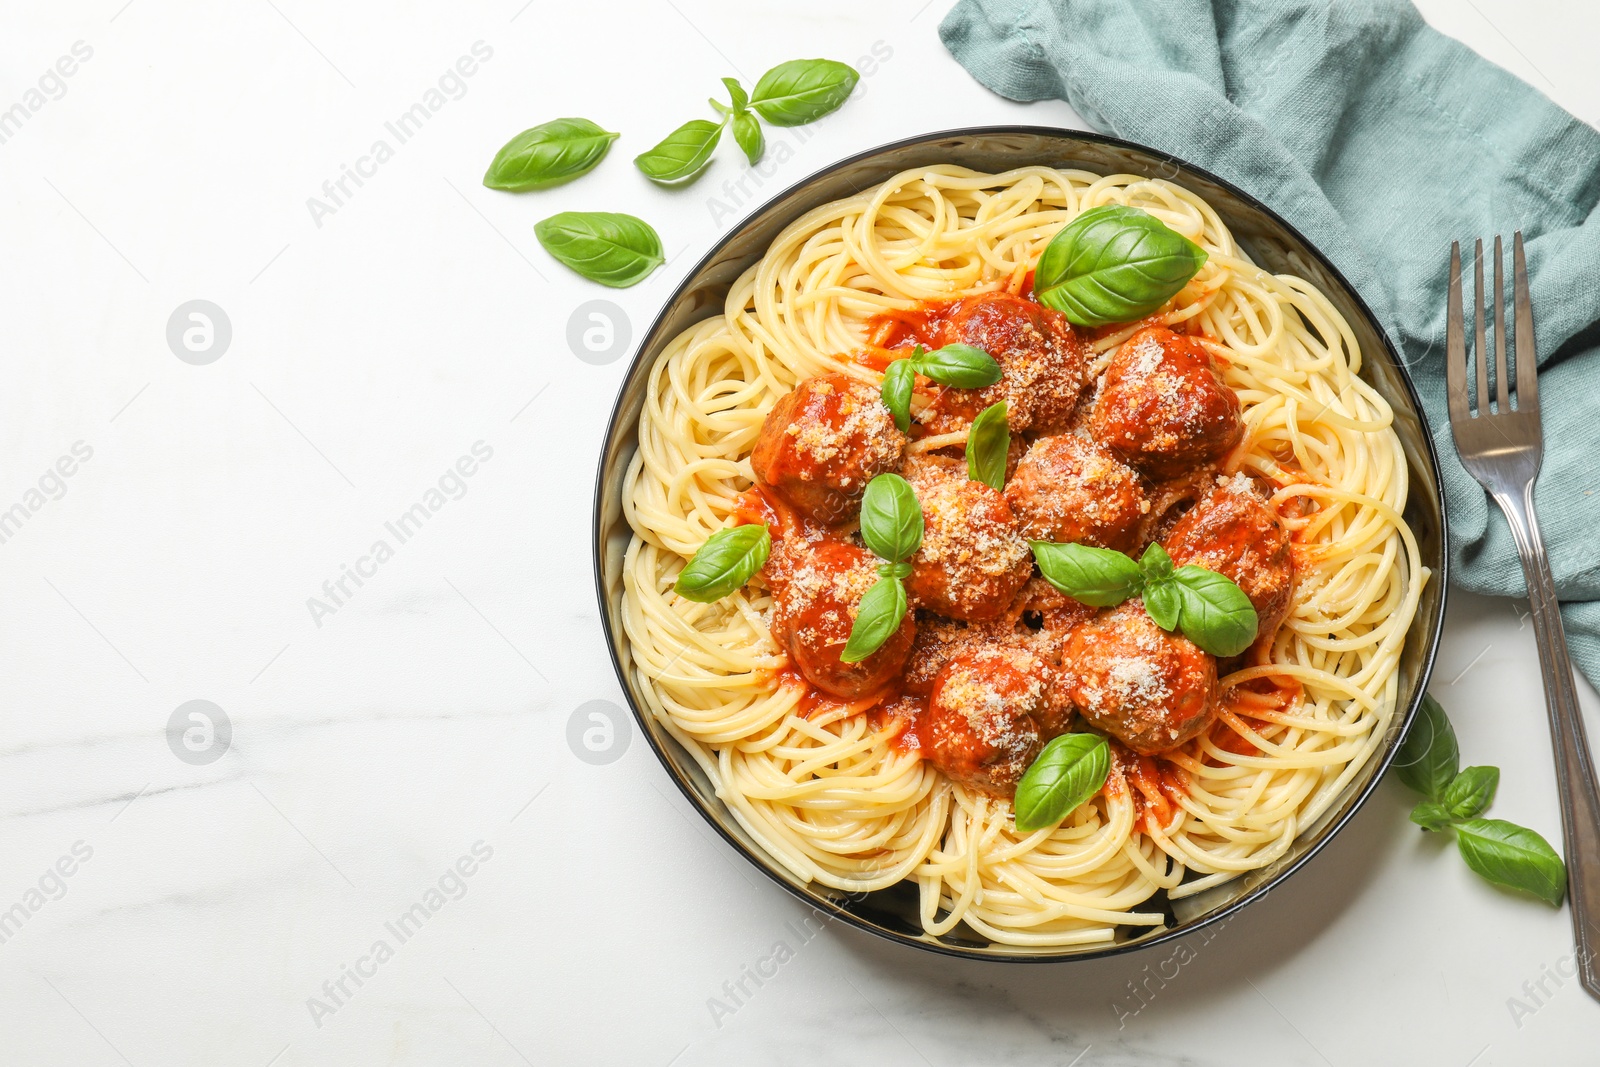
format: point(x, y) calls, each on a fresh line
point(1527, 355)
point(1455, 360)
point(1480, 350)
point(1502, 380)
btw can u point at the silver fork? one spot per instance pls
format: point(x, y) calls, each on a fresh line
point(1502, 448)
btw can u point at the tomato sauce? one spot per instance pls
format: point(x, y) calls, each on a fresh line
point(891, 334)
point(758, 507)
point(1157, 787)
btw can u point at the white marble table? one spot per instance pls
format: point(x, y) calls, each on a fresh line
point(404, 740)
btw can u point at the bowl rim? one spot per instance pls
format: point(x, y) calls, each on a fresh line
point(827, 905)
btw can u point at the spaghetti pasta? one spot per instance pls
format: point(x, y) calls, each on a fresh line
point(825, 790)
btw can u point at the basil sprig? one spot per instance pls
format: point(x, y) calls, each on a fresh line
point(803, 90)
point(606, 247)
point(548, 154)
point(891, 525)
point(1208, 607)
point(988, 444)
point(790, 94)
point(1114, 264)
point(722, 565)
point(683, 154)
point(960, 366)
point(1498, 851)
point(1069, 770)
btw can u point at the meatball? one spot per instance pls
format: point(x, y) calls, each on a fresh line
point(818, 586)
point(972, 561)
point(1070, 490)
point(1043, 362)
point(989, 713)
point(1164, 408)
point(1234, 531)
point(939, 640)
point(823, 442)
point(1149, 689)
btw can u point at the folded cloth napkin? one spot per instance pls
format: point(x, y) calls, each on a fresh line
point(1382, 141)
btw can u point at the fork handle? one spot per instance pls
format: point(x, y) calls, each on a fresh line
point(1575, 777)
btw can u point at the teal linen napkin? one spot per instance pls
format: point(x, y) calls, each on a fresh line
point(1382, 141)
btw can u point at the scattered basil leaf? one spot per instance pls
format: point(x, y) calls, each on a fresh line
point(1429, 757)
point(1114, 264)
point(1163, 603)
point(548, 154)
point(1155, 563)
point(747, 134)
point(877, 618)
point(1430, 815)
point(1470, 792)
point(736, 94)
point(1098, 577)
point(722, 565)
point(1501, 852)
point(683, 154)
point(988, 443)
point(1215, 614)
point(802, 90)
point(894, 570)
point(961, 366)
point(1513, 856)
point(1067, 772)
point(606, 247)
point(898, 379)
point(891, 518)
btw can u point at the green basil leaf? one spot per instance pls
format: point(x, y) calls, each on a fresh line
point(1430, 816)
point(882, 610)
point(684, 153)
point(1215, 613)
point(606, 247)
point(802, 90)
point(1098, 577)
point(736, 94)
point(898, 379)
point(1156, 564)
point(1114, 264)
point(747, 134)
point(1067, 772)
point(722, 565)
point(1470, 792)
point(988, 443)
point(1429, 758)
point(1162, 602)
point(891, 518)
point(894, 570)
point(961, 366)
point(1513, 856)
point(549, 154)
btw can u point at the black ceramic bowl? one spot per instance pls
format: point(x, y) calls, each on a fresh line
point(1273, 244)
